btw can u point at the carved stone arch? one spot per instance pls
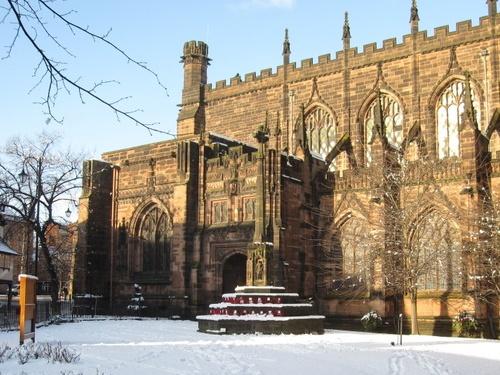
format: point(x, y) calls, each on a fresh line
point(366, 106)
point(335, 225)
point(315, 99)
point(433, 206)
point(308, 109)
point(146, 205)
point(222, 256)
point(230, 253)
point(320, 125)
point(150, 244)
point(454, 73)
point(347, 215)
point(446, 81)
point(320, 104)
point(384, 88)
point(438, 90)
point(372, 95)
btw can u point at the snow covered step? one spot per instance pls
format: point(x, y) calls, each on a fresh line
point(264, 309)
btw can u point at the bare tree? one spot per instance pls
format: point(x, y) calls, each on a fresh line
point(61, 240)
point(35, 21)
point(425, 250)
point(37, 183)
point(483, 249)
point(400, 242)
point(404, 239)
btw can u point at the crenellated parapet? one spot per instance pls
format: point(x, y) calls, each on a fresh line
point(441, 38)
point(194, 50)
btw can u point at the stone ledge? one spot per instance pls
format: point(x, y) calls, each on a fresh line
point(274, 326)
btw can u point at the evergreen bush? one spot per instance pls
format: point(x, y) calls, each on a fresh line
point(371, 321)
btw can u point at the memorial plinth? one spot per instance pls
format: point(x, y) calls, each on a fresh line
point(261, 309)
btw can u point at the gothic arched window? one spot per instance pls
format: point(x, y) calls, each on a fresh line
point(355, 265)
point(449, 110)
point(321, 132)
point(154, 241)
point(437, 254)
point(392, 114)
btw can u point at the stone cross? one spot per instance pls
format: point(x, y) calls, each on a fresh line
point(260, 252)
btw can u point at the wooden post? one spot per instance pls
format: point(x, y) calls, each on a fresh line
point(27, 304)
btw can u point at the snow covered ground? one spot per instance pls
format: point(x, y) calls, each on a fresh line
point(149, 347)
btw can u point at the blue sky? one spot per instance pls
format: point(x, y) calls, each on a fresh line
point(243, 36)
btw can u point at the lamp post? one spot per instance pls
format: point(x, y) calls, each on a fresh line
point(23, 176)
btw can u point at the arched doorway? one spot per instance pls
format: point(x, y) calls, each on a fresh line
point(234, 272)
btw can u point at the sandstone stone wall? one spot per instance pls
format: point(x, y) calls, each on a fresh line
point(204, 179)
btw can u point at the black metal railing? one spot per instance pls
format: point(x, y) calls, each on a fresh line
point(45, 312)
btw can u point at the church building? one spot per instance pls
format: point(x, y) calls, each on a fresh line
point(382, 184)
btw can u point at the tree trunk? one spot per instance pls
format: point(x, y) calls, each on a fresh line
point(54, 278)
point(489, 316)
point(414, 315)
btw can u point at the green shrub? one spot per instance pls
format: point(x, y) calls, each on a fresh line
point(466, 325)
point(371, 321)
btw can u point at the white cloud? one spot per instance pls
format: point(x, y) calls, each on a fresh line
point(267, 4)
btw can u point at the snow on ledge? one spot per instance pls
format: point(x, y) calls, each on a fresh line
point(236, 295)
point(26, 276)
point(255, 317)
point(268, 287)
point(223, 305)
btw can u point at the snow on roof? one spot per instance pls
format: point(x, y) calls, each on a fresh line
point(292, 178)
point(229, 139)
point(220, 136)
point(317, 155)
point(4, 249)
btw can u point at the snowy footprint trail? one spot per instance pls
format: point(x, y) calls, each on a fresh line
point(133, 347)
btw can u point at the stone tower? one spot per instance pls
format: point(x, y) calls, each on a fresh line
point(191, 116)
point(492, 7)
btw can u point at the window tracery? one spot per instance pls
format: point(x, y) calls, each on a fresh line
point(354, 242)
point(439, 254)
point(393, 124)
point(321, 132)
point(154, 237)
point(449, 110)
